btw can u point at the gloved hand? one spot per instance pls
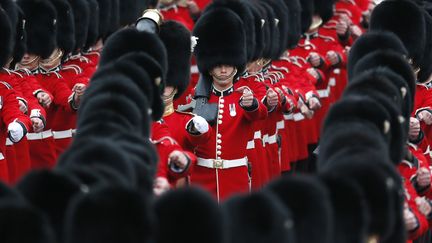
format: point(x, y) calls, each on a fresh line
point(200, 124)
point(15, 131)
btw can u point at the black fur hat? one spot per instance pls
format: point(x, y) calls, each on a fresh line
point(391, 60)
point(177, 41)
point(114, 23)
point(101, 151)
point(310, 204)
point(405, 19)
point(6, 40)
point(281, 13)
point(259, 21)
point(425, 67)
point(294, 15)
point(271, 32)
point(241, 8)
point(23, 223)
point(11, 10)
point(93, 27)
point(259, 217)
point(399, 125)
point(350, 211)
point(65, 26)
point(364, 170)
point(360, 108)
point(81, 13)
point(370, 42)
point(104, 18)
point(131, 40)
point(129, 12)
point(221, 40)
point(307, 12)
point(193, 209)
point(110, 215)
point(50, 192)
point(337, 139)
point(20, 39)
point(324, 8)
point(41, 26)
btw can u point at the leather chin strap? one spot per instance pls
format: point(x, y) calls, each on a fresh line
point(234, 72)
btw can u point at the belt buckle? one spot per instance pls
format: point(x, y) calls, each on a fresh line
point(218, 163)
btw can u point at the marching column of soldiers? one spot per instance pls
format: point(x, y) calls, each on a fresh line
point(224, 121)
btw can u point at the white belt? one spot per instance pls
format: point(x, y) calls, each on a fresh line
point(270, 139)
point(39, 135)
point(298, 117)
point(280, 125)
point(222, 163)
point(324, 93)
point(194, 69)
point(2, 156)
point(64, 134)
point(8, 142)
point(257, 135)
point(289, 117)
point(332, 81)
point(250, 144)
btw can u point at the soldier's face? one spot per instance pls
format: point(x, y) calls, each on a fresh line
point(222, 72)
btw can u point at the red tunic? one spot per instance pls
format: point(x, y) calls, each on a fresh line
point(227, 140)
point(42, 145)
point(9, 112)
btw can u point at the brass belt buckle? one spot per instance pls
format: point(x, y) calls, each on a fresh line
point(218, 163)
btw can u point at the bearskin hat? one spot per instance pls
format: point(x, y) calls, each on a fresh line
point(406, 20)
point(310, 204)
point(364, 170)
point(244, 12)
point(281, 12)
point(272, 40)
point(50, 192)
point(307, 12)
point(20, 222)
point(93, 27)
point(294, 15)
point(20, 39)
point(129, 12)
point(221, 41)
point(6, 40)
point(114, 23)
point(391, 60)
point(324, 8)
point(425, 67)
point(131, 40)
point(81, 13)
point(192, 208)
point(372, 41)
point(259, 217)
point(351, 219)
point(104, 18)
point(65, 26)
point(41, 26)
point(110, 215)
point(177, 41)
point(259, 21)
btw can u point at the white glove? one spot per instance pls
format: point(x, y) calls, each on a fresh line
point(16, 131)
point(200, 124)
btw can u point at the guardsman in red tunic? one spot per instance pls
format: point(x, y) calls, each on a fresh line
point(42, 49)
point(64, 121)
point(14, 123)
point(222, 166)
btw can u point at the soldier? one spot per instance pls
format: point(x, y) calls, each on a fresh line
point(44, 57)
point(15, 124)
point(222, 166)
